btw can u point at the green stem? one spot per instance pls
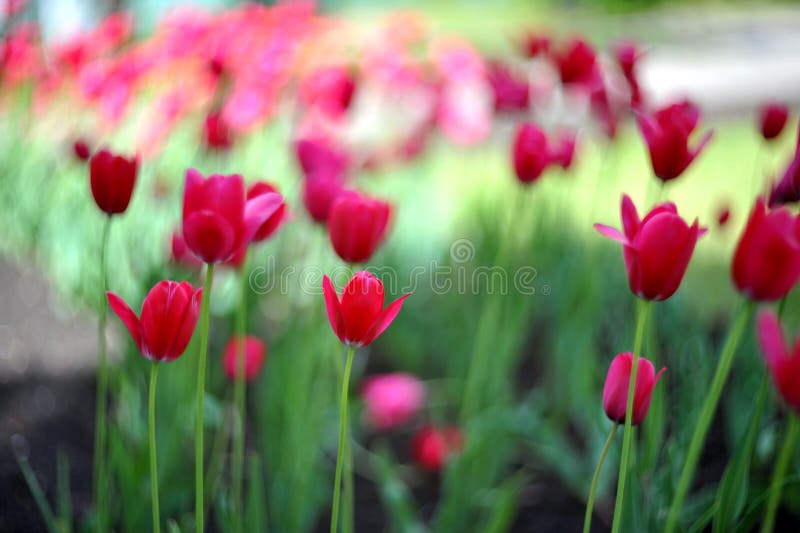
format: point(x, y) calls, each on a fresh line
point(707, 412)
point(101, 401)
point(239, 398)
point(643, 309)
point(151, 410)
point(342, 433)
point(787, 450)
point(587, 520)
point(199, 517)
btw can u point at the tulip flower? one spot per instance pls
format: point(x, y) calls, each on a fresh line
point(329, 90)
point(530, 153)
point(535, 44)
point(787, 190)
point(615, 391)
point(81, 150)
point(766, 264)
point(169, 314)
point(359, 317)
point(317, 155)
point(510, 94)
point(357, 225)
point(772, 118)
point(627, 56)
point(216, 133)
point(161, 333)
point(112, 179)
point(255, 353)
point(564, 152)
point(319, 193)
point(577, 64)
point(271, 225)
point(392, 399)
point(433, 446)
point(217, 219)
point(656, 249)
point(667, 135)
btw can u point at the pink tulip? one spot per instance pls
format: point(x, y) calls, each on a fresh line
point(615, 391)
point(392, 399)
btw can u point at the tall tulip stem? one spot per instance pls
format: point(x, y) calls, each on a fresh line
point(707, 412)
point(776, 487)
point(239, 393)
point(587, 520)
point(201, 393)
point(151, 417)
point(342, 433)
point(642, 311)
point(101, 401)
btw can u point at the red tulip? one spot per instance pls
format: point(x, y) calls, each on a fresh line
point(217, 220)
point(81, 150)
point(615, 391)
point(723, 216)
point(169, 315)
point(667, 135)
point(359, 317)
point(433, 446)
point(564, 152)
point(319, 193)
point(535, 44)
point(783, 362)
point(216, 133)
point(577, 64)
point(627, 55)
point(112, 179)
point(272, 224)
point(357, 225)
point(510, 94)
point(656, 249)
point(766, 264)
point(392, 399)
point(530, 153)
point(317, 155)
point(255, 353)
point(787, 190)
point(772, 119)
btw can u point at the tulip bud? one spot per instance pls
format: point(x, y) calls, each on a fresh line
point(255, 353)
point(359, 317)
point(615, 391)
point(357, 225)
point(433, 446)
point(319, 193)
point(656, 249)
point(169, 315)
point(112, 179)
point(530, 153)
point(216, 134)
point(772, 119)
point(577, 64)
point(510, 94)
point(392, 399)
point(766, 264)
point(783, 363)
point(81, 150)
point(271, 225)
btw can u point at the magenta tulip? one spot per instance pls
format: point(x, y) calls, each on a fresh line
point(772, 119)
point(615, 391)
point(392, 399)
point(783, 362)
point(255, 354)
point(271, 225)
point(656, 249)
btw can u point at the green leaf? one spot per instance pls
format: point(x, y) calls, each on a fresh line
point(503, 505)
point(395, 495)
point(255, 518)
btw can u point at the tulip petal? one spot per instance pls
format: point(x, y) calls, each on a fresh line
point(256, 212)
point(333, 307)
point(630, 217)
point(128, 317)
point(612, 233)
point(385, 318)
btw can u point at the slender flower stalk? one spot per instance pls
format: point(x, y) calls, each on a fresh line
point(151, 410)
point(100, 489)
point(587, 520)
point(201, 389)
point(776, 487)
point(643, 309)
point(342, 433)
point(707, 413)
point(239, 393)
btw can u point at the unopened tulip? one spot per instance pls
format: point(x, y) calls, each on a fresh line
point(787, 190)
point(216, 133)
point(627, 55)
point(433, 446)
point(271, 225)
point(81, 150)
point(357, 225)
point(217, 219)
point(392, 399)
point(359, 317)
point(510, 93)
point(772, 119)
point(667, 135)
point(319, 192)
point(783, 361)
point(766, 264)
point(112, 179)
point(615, 391)
point(577, 64)
point(319, 156)
point(530, 152)
point(169, 315)
point(656, 249)
point(255, 353)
